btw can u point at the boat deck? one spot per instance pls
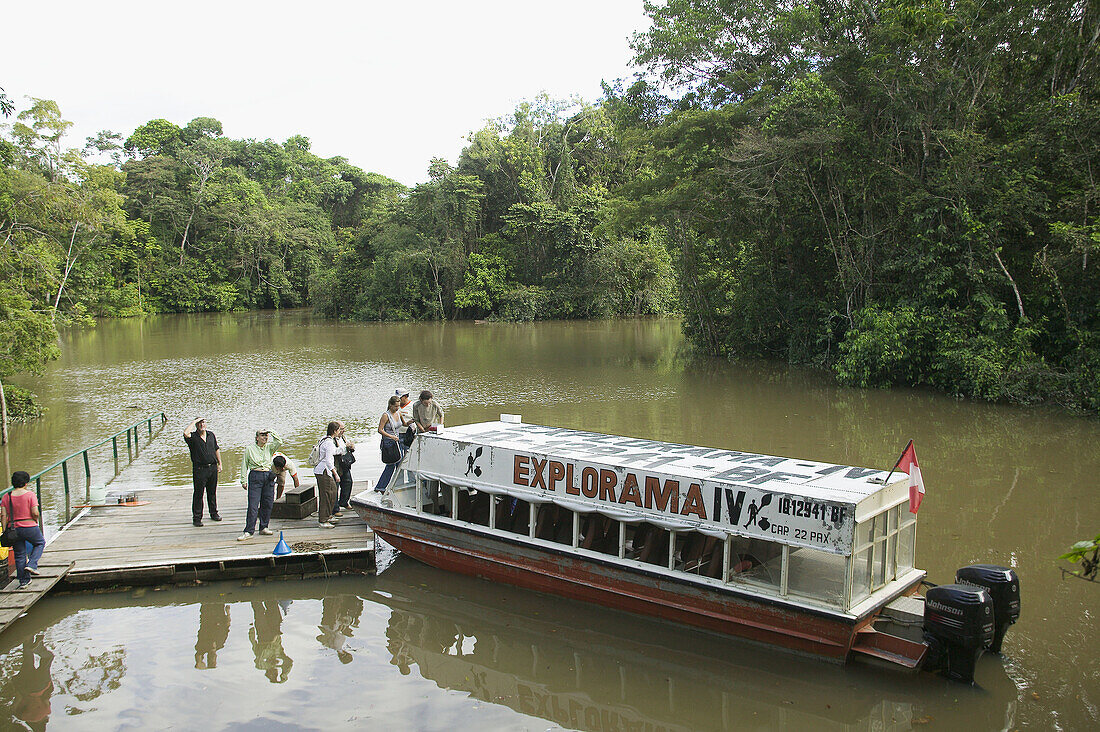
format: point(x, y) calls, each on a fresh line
point(156, 543)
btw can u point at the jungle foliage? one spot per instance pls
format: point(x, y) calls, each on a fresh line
point(901, 191)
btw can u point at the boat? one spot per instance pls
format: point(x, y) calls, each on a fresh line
point(810, 556)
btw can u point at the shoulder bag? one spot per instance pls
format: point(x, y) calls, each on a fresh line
point(391, 451)
point(11, 534)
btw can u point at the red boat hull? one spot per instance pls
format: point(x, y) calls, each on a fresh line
point(560, 572)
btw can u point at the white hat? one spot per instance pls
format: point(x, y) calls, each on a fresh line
point(402, 392)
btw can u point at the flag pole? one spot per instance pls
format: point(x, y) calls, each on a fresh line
point(891, 473)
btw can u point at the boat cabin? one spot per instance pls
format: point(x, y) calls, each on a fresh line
point(832, 538)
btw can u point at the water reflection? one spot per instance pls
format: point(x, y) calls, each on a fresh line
point(339, 615)
point(213, 632)
point(267, 639)
point(442, 652)
point(30, 689)
point(601, 670)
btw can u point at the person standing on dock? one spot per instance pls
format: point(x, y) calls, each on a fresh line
point(344, 460)
point(20, 507)
point(206, 463)
point(327, 476)
point(427, 413)
point(257, 478)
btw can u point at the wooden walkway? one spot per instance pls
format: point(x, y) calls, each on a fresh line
point(14, 601)
point(155, 543)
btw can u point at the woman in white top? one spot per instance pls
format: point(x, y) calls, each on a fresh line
point(327, 475)
point(388, 426)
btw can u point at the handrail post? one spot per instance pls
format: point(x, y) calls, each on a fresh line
point(65, 476)
point(114, 449)
point(137, 448)
point(41, 513)
point(87, 476)
point(149, 424)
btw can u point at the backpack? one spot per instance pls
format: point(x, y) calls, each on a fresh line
point(315, 453)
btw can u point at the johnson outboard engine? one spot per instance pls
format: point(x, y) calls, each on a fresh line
point(958, 625)
point(1004, 588)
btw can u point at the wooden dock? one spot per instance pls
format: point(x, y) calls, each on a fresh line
point(156, 543)
point(14, 601)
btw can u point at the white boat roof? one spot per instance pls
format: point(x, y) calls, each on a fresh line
point(843, 484)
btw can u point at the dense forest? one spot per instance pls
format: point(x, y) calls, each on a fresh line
point(902, 191)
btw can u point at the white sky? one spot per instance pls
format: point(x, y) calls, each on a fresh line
point(386, 85)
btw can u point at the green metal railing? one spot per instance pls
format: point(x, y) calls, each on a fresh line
point(133, 449)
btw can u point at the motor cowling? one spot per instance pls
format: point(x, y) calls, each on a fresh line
point(1004, 587)
point(958, 626)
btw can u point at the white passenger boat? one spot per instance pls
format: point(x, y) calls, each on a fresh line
point(807, 555)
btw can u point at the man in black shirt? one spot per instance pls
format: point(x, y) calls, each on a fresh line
point(206, 463)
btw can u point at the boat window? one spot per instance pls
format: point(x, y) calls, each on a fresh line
point(816, 575)
point(554, 523)
point(647, 543)
point(513, 514)
point(756, 562)
point(861, 576)
point(600, 534)
point(698, 554)
point(907, 542)
point(473, 506)
point(883, 549)
point(435, 497)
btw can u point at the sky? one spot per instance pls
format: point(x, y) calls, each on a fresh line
point(388, 85)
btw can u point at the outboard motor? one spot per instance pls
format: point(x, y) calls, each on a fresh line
point(958, 625)
point(1004, 588)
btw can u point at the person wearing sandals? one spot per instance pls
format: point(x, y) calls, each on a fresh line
point(388, 426)
point(20, 507)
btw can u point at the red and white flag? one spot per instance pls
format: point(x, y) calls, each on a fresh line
point(908, 464)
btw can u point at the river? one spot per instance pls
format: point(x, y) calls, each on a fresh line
point(416, 648)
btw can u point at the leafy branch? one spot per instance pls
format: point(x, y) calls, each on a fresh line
point(1087, 554)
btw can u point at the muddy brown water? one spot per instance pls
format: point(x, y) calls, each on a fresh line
point(416, 648)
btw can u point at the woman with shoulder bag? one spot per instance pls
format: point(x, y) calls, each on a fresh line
point(20, 508)
point(343, 467)
point(392, 451)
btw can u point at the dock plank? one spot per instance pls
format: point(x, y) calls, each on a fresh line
point(15, 601)
point(113, 542)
